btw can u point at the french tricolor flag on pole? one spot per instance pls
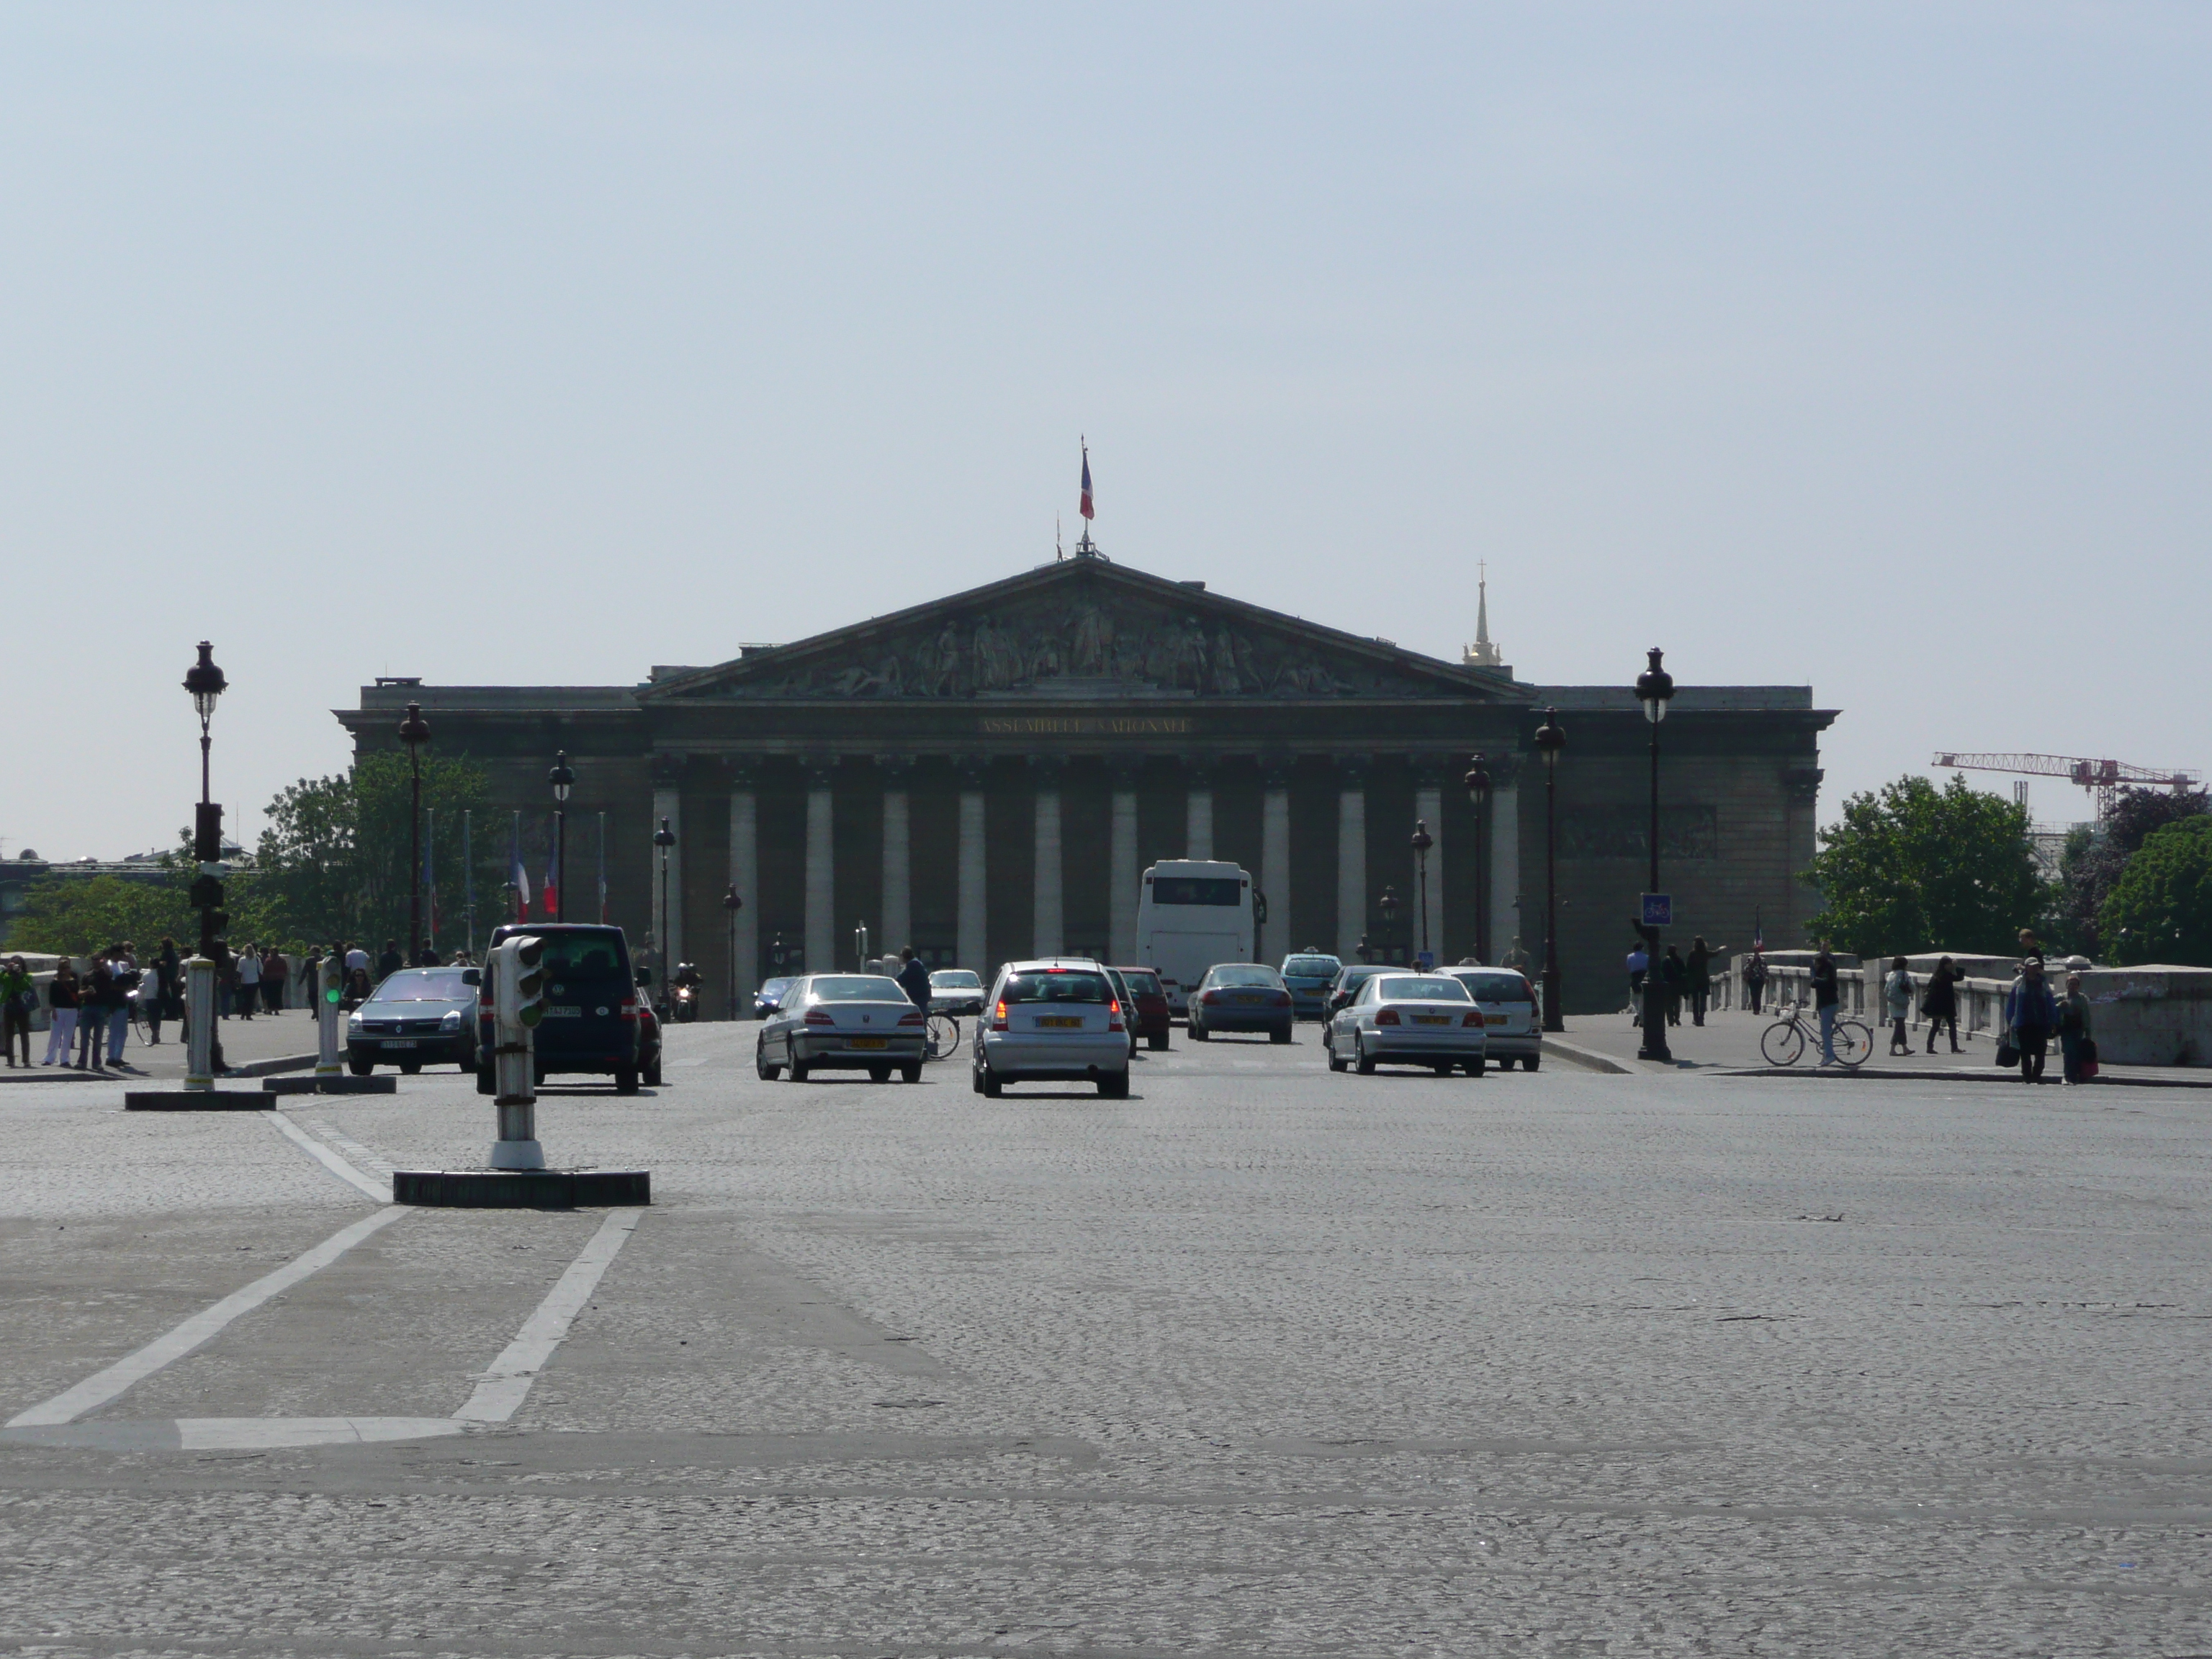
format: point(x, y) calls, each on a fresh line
point(1085, 508)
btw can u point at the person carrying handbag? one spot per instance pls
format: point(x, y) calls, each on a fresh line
point(1940, 1006)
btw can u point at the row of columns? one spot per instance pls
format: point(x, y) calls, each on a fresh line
point(1279, 935)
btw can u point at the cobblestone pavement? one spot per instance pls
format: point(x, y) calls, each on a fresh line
point(1261, 1360)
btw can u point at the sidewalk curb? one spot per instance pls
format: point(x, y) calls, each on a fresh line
point(1589, 1059)
point(1957, 1074)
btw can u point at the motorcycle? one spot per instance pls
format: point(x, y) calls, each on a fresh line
point(687, 1003)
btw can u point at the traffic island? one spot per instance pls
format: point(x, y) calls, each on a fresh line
point(521, 1189)
point(371, 1084)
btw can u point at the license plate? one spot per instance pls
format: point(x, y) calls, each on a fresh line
point(1250, 998)
point(1432, 1019)
point(1060, 1022)
point(568, 1011)
point(865, 1042)
point(1497, 1019)
point(400, 1042)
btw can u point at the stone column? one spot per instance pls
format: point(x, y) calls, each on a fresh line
point(667, 928)
point(1505, 857)
point(1198, 814)
point(1049, 934)
point(1276, 939)
point(898, 864)
point(821, 876)
point(1429, 808)
point(1121, 868)
point(1351, 862)
point(972, 942)
point(745, 876)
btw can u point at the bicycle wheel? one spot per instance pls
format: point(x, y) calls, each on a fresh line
point(944, 1036)
point(1854, 1043)
point(1783, 1042)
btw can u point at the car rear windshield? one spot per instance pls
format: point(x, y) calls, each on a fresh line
point(856, 988)
point(1310, 967)
point(956, 979)
point(1496, 988)
point(1142, 984)
point(585, 956)
point(1057, 988)
point(1410, 989)
point(1197, 889)
point(425, 985)
point(1253, 975)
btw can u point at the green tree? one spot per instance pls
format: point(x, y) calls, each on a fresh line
point(2161, 908)
point(333, 858)
point(1918, 868)
point(2090, 868)
point(70, 917)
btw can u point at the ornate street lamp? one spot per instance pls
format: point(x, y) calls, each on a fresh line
point(1477, 792)
point(415, 731)
point(1422, 842)
point(1550, 740)
point(562, 779)
point(731, 905)
point(1654, 687)
point(203, 1055)
point(1389, 905)
point(664, 838)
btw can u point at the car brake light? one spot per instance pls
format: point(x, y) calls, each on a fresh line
point(1211, 997)
point(816, 1017)
point(1388, 1017)
point(1282, 999)
point(998, 1015)
point(628, 1008)
point(1474, 1018)
point(916, 1017)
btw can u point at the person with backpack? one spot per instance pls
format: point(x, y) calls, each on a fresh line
point(1754, 976)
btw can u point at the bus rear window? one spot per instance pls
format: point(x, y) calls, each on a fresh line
point(1197, 889)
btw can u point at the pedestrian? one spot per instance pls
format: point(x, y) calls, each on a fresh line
point(1675, 973)
point(19, 995)
point(249, 980)
point(1897, 993)
point(914, 978)
point(1514, 956)
point(1940, 1004)
point(275, 970)
point(1701, 976)
point(123, 966)
point(152, 994)
point(172, 980)
point(389, 963)
point(1754, 976)
point(61, 999)
point(1825, 995)
point(92, 1011)
point(356, 958)
point(2031, 1016)
point(1639, 964)
point(2075, 1045)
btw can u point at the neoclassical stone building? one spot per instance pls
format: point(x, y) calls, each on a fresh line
point(986, 776)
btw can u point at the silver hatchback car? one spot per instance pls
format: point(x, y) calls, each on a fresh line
point(1056, 1020)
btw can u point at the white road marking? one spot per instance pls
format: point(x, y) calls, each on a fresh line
point(507, 1379)
point(381, 1192)
point(101, 1387)
point(257, 1433)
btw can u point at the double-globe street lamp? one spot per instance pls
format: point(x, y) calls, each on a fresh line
point(563, 779)
point(664, 838)
point(1654, 687)
point(204, 1055)
point(415, 731)
point(731, 905)
point(1550, 740)
point(1422, 842)
point(1477, 792)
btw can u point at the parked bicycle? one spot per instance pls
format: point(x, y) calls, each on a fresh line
point(1784, 1042)
point(943, 1037)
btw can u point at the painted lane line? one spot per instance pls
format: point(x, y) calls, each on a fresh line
point(330, 1159)
point(507, 1379)
point(101, 1387)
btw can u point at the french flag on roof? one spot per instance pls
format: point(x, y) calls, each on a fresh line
point(1085, 508)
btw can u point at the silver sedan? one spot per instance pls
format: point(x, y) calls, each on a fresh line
point(1408, 1019)
point(843, 1022)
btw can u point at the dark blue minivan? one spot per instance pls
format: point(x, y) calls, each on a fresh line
point(592, 1021)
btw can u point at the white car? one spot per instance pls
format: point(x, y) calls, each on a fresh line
point(1056, 1020)
point(1408, 1019)
point(1508, 1002)
point(843, 1022)
point(955, 991)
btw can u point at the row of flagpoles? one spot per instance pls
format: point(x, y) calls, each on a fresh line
point(518, 876)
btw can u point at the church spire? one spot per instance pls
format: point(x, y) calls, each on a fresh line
point(1482, 653)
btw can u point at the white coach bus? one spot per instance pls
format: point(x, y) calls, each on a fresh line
point(1192, 914)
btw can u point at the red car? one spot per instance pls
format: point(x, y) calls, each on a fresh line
point(1149, 1019)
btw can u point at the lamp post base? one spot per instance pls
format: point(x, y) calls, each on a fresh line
point(521, 1189)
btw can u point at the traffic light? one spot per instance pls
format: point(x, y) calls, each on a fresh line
point(518, 985)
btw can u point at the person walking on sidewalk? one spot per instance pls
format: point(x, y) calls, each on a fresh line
point(1940, 1004)
point(1754, 976)
point(2030, 1015)
point(19, 995)
point(1824, 997)
point(2075, 1045)
point(274, 972)
point(1675, 973)
point(1897, 995)
point(1701, 976)
point(61, 999)
point(249, 980)
point(92, 1011)
point(1639, 964)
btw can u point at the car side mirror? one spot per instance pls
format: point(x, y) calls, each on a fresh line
point(644, 976)
point(472, 976)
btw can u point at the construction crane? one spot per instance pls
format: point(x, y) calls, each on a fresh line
point(2102, 777)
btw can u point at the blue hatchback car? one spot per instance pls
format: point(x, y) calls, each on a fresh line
point(1309, 974)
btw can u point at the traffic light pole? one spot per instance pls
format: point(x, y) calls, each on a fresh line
point(329, 990)
point(516, 1103)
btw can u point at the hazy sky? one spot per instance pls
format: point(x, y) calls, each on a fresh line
point(1854, 345)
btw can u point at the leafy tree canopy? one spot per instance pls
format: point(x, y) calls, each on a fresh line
point(2161, 908)
point(1918, 868)
point(66, 916)
point(2090, 868)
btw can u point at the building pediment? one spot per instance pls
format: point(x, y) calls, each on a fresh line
point(1082, 630)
